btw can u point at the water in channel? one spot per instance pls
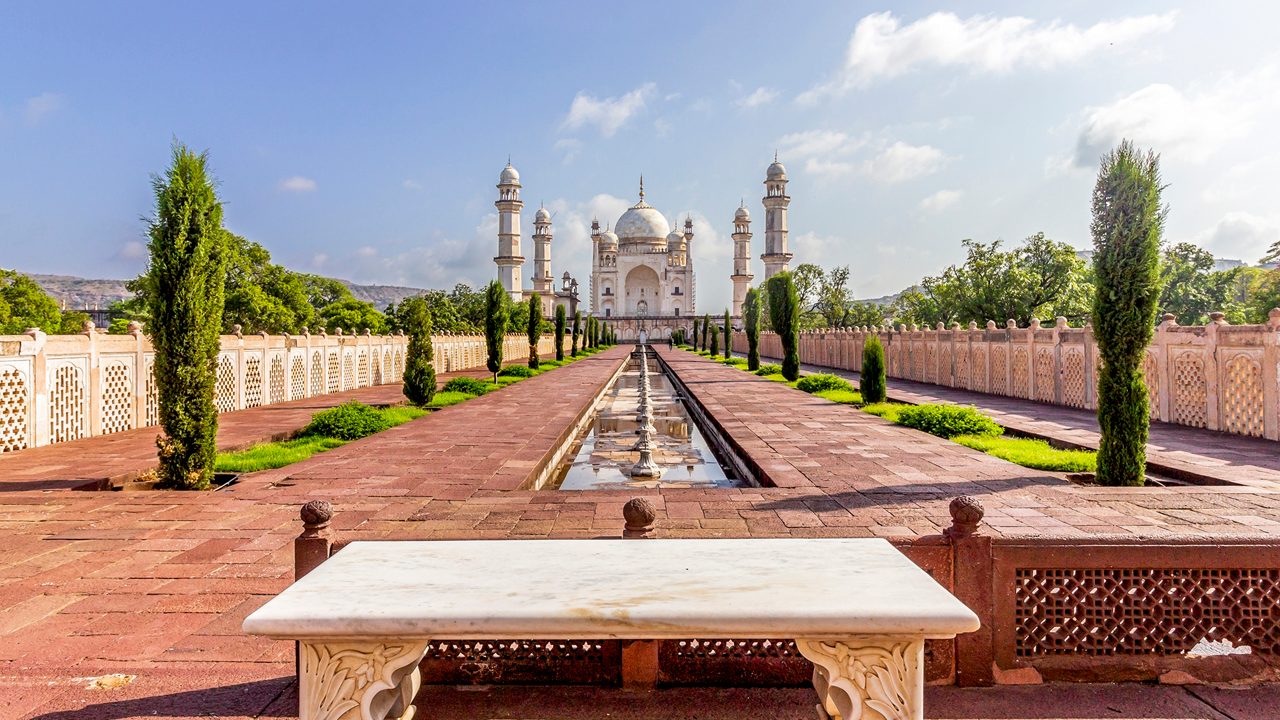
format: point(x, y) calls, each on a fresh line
point(602, 456)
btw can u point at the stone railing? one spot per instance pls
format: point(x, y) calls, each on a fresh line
point(55, 388)
point(1216, 376)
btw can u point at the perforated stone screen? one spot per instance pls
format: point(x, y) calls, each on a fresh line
point(117, 398)
point(14, 393)
point(561, 662)
point(1134, 611)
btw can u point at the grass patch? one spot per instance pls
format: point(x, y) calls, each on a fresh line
point(947, 421)
point(445, 399)
point(505, 380)
point(887, 410)
point(468, 385)
point(822, 381)
point(1035, 454)
point(774, 377)
point(401, 414)
point(517, 371)
point(273, 455)
point(844, 397)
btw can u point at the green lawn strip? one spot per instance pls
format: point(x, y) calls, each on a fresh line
point(844, 397)
point(886, 410)
point(445, 399)
point(1032, 453)
point(268, 456)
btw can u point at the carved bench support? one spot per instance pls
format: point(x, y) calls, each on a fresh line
point(868, 678)
point(358, 680)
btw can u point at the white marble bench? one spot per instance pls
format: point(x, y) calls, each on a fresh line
point(857, 608)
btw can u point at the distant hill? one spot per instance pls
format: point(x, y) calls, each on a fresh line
point(77, 293)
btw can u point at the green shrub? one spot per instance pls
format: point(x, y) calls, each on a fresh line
point(446, 398)
point(419, 372)
point(519, 371)
point(769, 369)
point(348, 421)
point(1028, 452)
point(872, 379)
point(468, 385)
point(735, 361)
point(822, 381)
point(844, 397)
point(947, 421)
point(887, 410)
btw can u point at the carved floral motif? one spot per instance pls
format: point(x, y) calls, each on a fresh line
point(356, 681)
point(868, 678)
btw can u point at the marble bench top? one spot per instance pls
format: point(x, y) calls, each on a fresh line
point(605, 589)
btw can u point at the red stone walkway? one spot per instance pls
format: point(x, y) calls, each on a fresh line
point(1194, 454)
point(155, 584)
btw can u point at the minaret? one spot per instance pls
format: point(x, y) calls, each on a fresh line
point(593, 287)
point(543, 283)
point(741, 276)
point(776, 200)
point(509, 260)
point(688, 269)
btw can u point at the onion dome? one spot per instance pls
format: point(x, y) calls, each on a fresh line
point(509, 175)
point(542, 216)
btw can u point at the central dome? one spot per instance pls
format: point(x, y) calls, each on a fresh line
point(642, 222)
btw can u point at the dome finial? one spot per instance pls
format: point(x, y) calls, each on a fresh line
point(642, 186)
point(775, 154)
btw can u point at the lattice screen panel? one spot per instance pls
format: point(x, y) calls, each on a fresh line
point(978, 375)
point(1073, 377)
point(1020, 372)
point(584, 662)
point(279, 388)
point(117, 398)
point(153, 396)
point(962, 368)
point(399, 363)
point(1144, 611)
point(362, 375)
point(66, 404)
point(1189, 398)
point(1044, 375)
point(387, 372)
point(15, 393)
point(297, 378)
point(335, 380)
point(252, 381)
point(348, 373)
point(224, 396)
point(999, 371)
point(377, 367)
point(317, 373)
point(1242, 396)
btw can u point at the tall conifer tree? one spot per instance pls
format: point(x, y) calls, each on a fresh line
point(534, 329)
point(185, 285)
point(560, 321)
point(751, 319)
point(784, 313)
point(419, 370)
point(497, 313)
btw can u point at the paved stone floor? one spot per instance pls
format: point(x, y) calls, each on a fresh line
point(155, 584)
point(1176, 449)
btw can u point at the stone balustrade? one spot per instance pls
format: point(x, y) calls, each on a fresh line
point(55, 388)
point(1216, 376)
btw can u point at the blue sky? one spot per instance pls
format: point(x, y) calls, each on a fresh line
point(364, 142)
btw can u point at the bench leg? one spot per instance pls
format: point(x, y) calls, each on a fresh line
point(359, 681)
point(868, 678)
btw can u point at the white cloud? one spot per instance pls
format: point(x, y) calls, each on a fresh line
point(940, 200)
point(36, 109)
point(319, 260)
point(882, 48)
point(824, 152)
point(1190, 125)
point(901, 162)
point(761, 96)
point(298, 184)
point(662, 126)
point(1240, 236)
point(366, 251)
point(410, 184)
point(607, 114)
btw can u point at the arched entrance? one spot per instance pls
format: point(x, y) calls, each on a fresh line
point(642, 287)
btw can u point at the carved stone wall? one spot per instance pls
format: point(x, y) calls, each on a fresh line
point(1215, 376)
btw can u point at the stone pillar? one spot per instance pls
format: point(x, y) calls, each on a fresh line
point(972, 585)
point(314, 545)
point(639, 657)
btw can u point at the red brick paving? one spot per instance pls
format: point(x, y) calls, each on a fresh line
point(156, 583)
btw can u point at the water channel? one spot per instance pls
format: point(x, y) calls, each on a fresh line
point(602, 456)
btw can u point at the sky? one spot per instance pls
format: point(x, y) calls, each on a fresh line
point(364, 141)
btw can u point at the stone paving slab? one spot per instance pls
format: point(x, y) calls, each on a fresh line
point(1178, 450)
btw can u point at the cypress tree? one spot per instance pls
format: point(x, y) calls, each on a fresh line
point(497, 313)
point(577, 331)
point(784, 313)
point(695, 334)
point(728, 336)
point(186, 281)
point(715, 341)
point(1128, 221)
point(751, 312)
point(419, 372)
point(560, 321)
point(534, 328)
point(706, 332)
point(872, 383)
